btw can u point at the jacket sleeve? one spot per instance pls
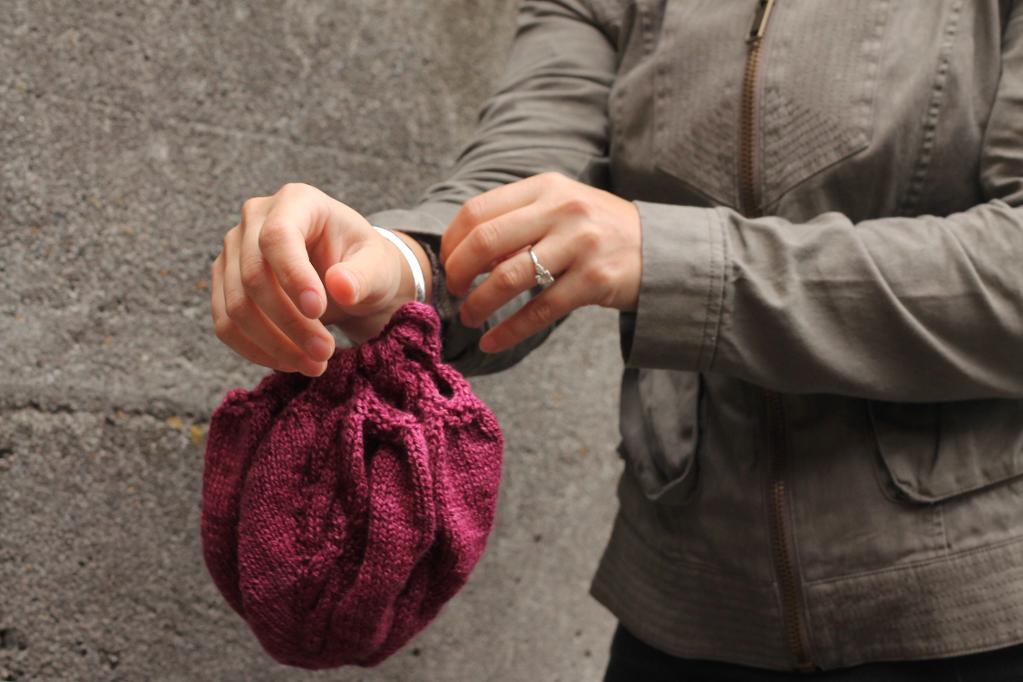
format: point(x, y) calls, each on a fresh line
point(548, 113)
point(915, 309)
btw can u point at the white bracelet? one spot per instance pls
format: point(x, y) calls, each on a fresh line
point(413, 262)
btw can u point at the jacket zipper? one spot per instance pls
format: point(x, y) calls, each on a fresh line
point(749, 199)
point(749, 203)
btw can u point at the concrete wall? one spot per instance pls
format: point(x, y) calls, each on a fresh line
point(130, 134)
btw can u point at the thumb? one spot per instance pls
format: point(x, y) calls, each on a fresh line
point(365, 276)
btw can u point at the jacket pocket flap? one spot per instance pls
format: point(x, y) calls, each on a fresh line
point(933, 451)
point(659, 424)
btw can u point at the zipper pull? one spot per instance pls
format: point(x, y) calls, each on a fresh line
point(756, 31)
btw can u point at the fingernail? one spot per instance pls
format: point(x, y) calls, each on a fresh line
point(487, 344)
point(317, 348)
point(355, 287)
point(309, 301)
point(312, 368)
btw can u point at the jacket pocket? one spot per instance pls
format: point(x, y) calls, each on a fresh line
point(660, 429)
point(814, 91)
point(934, 451)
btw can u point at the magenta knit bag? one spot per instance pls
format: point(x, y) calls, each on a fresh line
point(341, 512)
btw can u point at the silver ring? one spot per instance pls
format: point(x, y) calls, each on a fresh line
point(543, 276)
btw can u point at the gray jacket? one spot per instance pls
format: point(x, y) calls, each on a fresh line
point(822, 399)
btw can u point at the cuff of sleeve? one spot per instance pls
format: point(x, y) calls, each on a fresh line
point(427, 223)
point(430, 218)
point(682, 289)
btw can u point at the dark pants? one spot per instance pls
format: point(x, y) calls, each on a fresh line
point(635, 661)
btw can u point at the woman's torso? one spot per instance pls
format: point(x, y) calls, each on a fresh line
point(870, 108)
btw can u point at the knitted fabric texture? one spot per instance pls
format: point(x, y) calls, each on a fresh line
point(340, 512)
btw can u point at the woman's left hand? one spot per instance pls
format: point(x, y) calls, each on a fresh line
point(589, 239)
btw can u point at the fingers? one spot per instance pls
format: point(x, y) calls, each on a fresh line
point(260, 284)
point(296, 219)
point(559, 299)
point(228, 332)
point(489, 205)
point(250, 321)
point(515, 275)
point(493, 240)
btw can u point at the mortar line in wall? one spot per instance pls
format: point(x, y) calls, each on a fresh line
point(15, 397)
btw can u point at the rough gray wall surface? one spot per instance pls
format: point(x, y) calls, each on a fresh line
point(130, 135)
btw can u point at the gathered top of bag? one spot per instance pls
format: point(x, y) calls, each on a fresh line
point(341, 512)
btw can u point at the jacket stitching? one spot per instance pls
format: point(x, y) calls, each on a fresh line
point(718, 228)
point(965, 619)
point(708, 302)
point(865, 119)
point(926, 152)
point(939, 519)
point(917, 564)
point(867, 652)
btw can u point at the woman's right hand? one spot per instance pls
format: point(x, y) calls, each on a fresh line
point(296, 262)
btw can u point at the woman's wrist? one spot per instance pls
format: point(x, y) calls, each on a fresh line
point(407, 290)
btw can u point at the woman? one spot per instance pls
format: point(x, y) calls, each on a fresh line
point(810, 217)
